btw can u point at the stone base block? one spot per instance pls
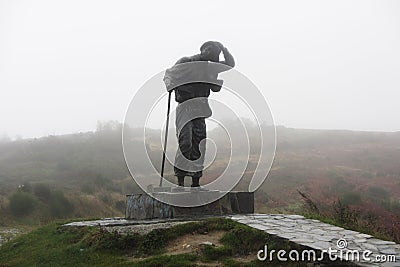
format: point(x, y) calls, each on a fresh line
point(143, 206)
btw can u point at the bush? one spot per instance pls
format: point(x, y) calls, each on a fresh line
point(378, 192)
point(22, 203)
point(42, 192)
point(244, 239)
point(351, 198)
point(59, 205)
point(87, 188)
point(344, 214)
point(106, 198)
point(120, 206)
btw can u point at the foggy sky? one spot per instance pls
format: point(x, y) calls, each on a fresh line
point(64, 65)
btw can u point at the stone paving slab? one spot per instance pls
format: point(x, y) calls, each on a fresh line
point(322, 236)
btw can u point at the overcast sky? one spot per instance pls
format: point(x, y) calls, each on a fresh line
point(64, 65)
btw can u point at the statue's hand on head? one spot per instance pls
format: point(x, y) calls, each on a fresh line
point(219, 45)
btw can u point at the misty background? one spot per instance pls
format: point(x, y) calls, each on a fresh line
point(322, 65)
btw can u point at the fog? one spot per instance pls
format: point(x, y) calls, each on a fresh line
point(64, 65)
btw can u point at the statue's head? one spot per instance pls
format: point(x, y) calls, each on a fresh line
point(210, 51)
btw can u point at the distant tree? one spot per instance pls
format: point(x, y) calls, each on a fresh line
point(42, 192)
point(60, 206)
point(22, 203)
point(378, 192)
point(350, 198)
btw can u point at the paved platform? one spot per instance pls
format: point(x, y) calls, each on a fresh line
point(308, 233)
point(322, 236)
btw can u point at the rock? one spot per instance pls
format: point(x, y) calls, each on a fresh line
point(295, 217)
point(237, 217)
point(381, 242)
point(333, 228)
point(270, 225)
point(349, 232)
point(277, 217)
point(358, 241)
point(317, 231)
point(259, 226)
point(388, 251)
point(369, 247)
point(186, 246)
point(325, 238)
point(363, 236)
point(321, 245)
point(288, 236)
point(272, 232)
point(302, 240)
point(307, 227)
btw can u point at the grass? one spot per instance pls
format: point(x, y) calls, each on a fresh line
point(57, 245)
point(50, 246)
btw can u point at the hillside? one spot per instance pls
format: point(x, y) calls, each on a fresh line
point(84, 175)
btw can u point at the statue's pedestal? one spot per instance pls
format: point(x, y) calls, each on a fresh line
point(143, 206)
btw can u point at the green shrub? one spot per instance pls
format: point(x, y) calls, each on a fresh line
point(212, 253)
point(100, 239)
point(154, 241)
point(243, 239)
